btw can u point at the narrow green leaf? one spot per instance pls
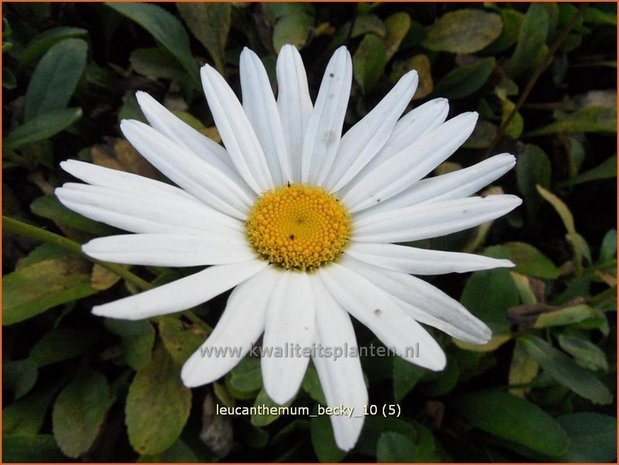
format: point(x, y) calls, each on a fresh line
point(210, 24)
point(292, 29)
point(263, 399)
point(466, 80)
point(600, 119)
point(165, 29)
point(533, 168)
point(605, 170)
point(586, 353)
point(514, 419)
point(531, 44)
point(565, 316)
point(42, 127)
point(44, 41)
point(463, 31)
point(608, 249)
point(530, 261)
point(156, 63)
point(369, 61)
point(395, 447)
point(157, 405)
point(565, 371)
point(55, 78)
point(79, 412)
point(50, 207)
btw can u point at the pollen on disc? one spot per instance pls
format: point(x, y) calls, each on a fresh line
point(298, 226)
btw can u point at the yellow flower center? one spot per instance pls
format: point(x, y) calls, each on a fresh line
point(298, 226)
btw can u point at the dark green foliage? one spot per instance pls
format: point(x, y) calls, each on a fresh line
point(77, 386)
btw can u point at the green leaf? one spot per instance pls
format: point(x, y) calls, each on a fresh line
point(397, 26)
point(531, 46)
point(246, 377)
point(419, 63)
point(516, 125)
point(19, 376)
point(157, 405)
point(568, 221)
point(598, 16)
point(512, 21)
point(593, 437)
point(23, 449)
point(263, 399)
point(369, 61)
point(367, 24)
point(179, 452)
point(565, 316)
point(179, 339)
point(608, 249)
point(513, 419)
point(395, 447)
point(311, 385)
point(601, 119)
point(156, 63)
point(605, 170)
point(489, 294)
point(79, 412)
point(466, 80)
point(463, 31)
point(26, 416)
point(533, 168)
point(210, 24)
point(165, 29)
point(483, 135)
point(405, 377)
point(585, 352)
point(565, 370)
point(35, 288)
point(292, 29)
point(44, 41)
point(323, 440)
point(522, 370)
point(137, 339)
point(48, 206)
point(55, 78)
point(530, 261)
point(62, 344)
point(42, 127)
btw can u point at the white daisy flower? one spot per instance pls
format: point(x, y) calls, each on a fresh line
point(301, 221)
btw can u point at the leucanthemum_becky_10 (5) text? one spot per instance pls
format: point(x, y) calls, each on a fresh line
point(300, 221)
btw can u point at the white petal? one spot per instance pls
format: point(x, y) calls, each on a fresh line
point(294, 104)
point(408, 129)
point(421, 261)
point(433, 219)
point(164, 121)
point(194, 175)
point(290, 325)
point(341, 378)
point(410, 164)
point(324, 128)
point(123, 181)
point(236, 331)
point(457, 184)
point(363, 141)
point(171, 249)
point(236, 131)
point(261, 109)
point(150, 213)
point(425, 302)
point(415, 124)
point(181, 294)
point(370, 305)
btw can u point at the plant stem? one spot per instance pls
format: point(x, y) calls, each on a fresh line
point(14, 226)
point(535, 76)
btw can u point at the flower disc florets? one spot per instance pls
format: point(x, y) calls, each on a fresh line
point(298, 226)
